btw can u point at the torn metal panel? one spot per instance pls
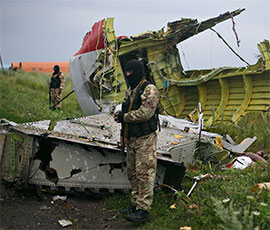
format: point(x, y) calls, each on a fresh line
point(101, 130)
point(183, 29)
point(177, 31)
point(40, 124)
point(98, 168)
point(264, 48)
point(239, 148)
point(228, 138)
point(191, 30)
point(80, 71)
point(85, 153)
point(95, 58)
point(17, 150)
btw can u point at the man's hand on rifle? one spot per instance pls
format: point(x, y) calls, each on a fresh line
point(119, 116)
point(122, 152)
point(121, 140)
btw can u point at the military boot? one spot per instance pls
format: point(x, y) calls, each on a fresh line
point(129, 210)
point(138, 216)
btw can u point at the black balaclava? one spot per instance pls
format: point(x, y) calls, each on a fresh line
point(56, 69)
point(137, 73)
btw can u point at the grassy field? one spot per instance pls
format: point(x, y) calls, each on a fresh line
point(229, 200)
point(25, 98)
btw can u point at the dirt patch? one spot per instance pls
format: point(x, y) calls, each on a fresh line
point(23, 209)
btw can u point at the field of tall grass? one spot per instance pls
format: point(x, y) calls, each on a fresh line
point(229, 200)
point(25, 98)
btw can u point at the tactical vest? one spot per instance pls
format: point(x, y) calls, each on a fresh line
point(55, 81)
point(139, 129)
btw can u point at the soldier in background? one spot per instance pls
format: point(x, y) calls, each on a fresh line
point(139, 118)
point(56, 86)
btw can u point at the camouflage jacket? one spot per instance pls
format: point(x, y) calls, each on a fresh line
point(150, 101)
point(57, 80)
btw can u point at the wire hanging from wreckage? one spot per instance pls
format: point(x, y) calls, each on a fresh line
point(237, 40)
point(234, 30)
point(242, 59)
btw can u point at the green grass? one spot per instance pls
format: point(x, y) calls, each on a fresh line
point(25, 98)
point(229, 200)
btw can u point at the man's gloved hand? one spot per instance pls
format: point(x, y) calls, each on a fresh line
point(121, 140)
point(119, 116)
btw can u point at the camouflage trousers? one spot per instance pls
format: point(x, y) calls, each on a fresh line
point(141, 169)
point(56, 96)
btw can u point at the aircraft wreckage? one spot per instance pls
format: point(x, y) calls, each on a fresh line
point(226, 94)
point(84, 153)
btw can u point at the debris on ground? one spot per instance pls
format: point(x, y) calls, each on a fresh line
point(239, 148)
point(59, 197)
point(173, 206)
point(21, 209)
point(64, 223)
point(185, 228)
point(241, 162)
point(197, 179)
point(256, 156)
point(265, 185)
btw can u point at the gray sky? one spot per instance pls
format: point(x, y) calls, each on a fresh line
point(53, 30)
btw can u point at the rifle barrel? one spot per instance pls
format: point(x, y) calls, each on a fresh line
point(52, 107)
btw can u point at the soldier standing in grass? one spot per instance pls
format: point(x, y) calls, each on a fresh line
point(56, 86)
point(139, 118)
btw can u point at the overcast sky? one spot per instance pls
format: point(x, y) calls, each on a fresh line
point(53, 30)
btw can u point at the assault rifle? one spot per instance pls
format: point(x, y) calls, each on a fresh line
point(53, 107)
point(123, 157)
point(50, 99)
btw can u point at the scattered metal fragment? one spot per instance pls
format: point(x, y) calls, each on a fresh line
point(228, 138)
point(239, 148)
point(44, 207)
point(113, 217)
point(197, 179)
point(57, 197)
point(241, 162)
point(255, 157)
point(265, 185)
point(185, 228)
point(64, 223)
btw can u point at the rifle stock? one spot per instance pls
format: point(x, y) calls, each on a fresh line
point(50, 99)
point(123, 157)
point(53, 107)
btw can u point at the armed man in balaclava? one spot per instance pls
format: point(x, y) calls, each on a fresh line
point(139, 119)
point(56, 86)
